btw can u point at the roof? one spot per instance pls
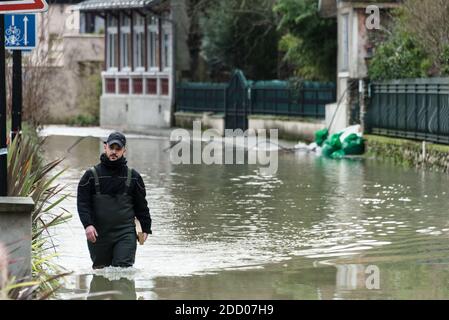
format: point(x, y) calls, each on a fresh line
point(93, 5)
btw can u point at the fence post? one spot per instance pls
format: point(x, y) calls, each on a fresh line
point(251, 101)
point(426, 94)
point(438, 111)
point(424, 155)
point(406, 109)
point(362, 104)
point(416, 111)
point(396, 103)
point(387, 107)
point(274, 108)
point(264, 99)
point(301, 101)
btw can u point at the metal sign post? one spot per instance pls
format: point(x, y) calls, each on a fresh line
point(20, 34)
point(14, 39)
point(3, 149)
point(16, 124)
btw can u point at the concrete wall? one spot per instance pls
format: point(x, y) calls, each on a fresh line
point(60, 20)
point(68, 49)
point(410, 153)
point(77, 50)
point(289, 127)
point(340, 121)
point(127, 112)
point(208, 120)
point(15, 233)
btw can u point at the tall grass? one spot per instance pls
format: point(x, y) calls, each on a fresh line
point(30, 176)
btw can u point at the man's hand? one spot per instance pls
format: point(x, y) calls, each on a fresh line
point(91, 234)
point(145, 236)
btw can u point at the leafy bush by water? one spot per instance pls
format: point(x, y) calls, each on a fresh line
point(29, 176)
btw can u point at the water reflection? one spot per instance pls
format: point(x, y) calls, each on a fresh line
point(308, 232)
point(123, 288)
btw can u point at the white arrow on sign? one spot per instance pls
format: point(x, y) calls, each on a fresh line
point(25, 35)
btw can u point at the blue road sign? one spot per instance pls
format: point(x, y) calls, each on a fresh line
point(20, 31)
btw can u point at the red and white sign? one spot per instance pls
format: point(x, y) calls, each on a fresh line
point(30, 6)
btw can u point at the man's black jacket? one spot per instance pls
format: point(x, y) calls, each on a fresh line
point(112, 176)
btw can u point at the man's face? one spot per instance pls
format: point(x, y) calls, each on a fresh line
point(114, 151)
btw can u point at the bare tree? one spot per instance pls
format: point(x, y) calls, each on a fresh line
point(428, 22)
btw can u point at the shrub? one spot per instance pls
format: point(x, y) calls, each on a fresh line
point(29, 176)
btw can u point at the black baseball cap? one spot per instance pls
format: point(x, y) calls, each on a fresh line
point(117, 138)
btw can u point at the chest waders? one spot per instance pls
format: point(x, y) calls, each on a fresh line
point(114, 221)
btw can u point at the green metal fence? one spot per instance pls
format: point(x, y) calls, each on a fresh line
point(265, 97)
point(410, 108)
point(309, 99)
point(200, 97)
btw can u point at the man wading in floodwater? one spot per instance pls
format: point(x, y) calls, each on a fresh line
point(110, 196)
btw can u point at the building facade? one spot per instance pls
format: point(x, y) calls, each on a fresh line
point(66, 58)
point(139, 72)
point(356, 46)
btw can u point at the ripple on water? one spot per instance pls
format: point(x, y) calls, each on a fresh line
point(209, 218)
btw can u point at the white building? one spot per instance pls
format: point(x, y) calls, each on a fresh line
point(139, 72)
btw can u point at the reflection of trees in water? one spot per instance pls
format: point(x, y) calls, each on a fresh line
point(125, 289)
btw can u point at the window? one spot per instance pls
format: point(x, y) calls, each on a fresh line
point(110, 85)
point(152, 41)
point(125, 42)
point(88, 22)
point(151, 86)
point(345, 43)
point(123, 86)
point(137, 86)
point(91, 23)
point(166, 49)
point(164, 87)
point(139, 41)
point(111, 55)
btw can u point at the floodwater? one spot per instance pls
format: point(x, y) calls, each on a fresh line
point(317, 229)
